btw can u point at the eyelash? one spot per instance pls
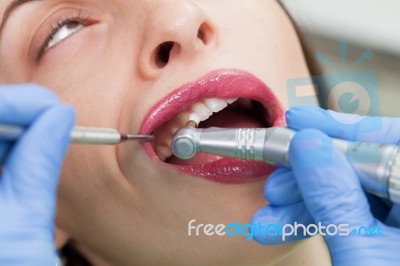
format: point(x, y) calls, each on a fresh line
point(56, 25)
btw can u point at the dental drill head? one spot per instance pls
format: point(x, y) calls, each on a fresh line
point(185, 143)
point(258, 144)
point(271, 145)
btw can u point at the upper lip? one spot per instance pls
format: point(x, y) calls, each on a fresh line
point(224, 84)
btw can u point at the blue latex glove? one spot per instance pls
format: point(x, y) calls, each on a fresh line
point(323, 187)
point(28, 181)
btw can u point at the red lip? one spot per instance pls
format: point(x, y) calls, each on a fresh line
point(226, 84)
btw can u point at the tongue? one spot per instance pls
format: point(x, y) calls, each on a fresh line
point(231, 119)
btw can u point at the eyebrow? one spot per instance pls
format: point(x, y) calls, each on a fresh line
point(10, 9)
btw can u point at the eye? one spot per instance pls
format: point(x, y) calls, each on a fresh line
point(63, 31)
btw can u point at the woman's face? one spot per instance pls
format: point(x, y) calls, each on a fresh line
point(141, 66)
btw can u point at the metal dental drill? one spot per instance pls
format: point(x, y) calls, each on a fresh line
point(79, 135)
point(378, 166)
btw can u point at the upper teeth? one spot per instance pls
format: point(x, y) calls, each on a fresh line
point(198, 112)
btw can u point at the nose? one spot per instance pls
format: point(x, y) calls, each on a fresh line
point(175, 32)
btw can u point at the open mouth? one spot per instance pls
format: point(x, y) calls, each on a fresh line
point(223, 98)
point(214, 112)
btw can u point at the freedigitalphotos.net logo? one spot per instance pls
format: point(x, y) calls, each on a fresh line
point(352, 92)
point(278, 230)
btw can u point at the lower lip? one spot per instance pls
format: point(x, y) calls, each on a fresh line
point(227, 170)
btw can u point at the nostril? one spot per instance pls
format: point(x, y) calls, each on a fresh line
point(201, 35)
point(163, 53)
point(204, 33)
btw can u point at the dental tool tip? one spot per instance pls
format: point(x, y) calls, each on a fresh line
point(141, 138)
point(192, 123)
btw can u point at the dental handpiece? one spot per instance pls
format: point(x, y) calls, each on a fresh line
point(80, 135)
point(378, 166)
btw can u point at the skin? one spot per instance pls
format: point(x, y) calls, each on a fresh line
point(119, 206)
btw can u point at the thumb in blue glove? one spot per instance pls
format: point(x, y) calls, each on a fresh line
point(28, 182)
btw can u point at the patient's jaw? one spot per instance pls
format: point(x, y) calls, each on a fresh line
point(113, 61)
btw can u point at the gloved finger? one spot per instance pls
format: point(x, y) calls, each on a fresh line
point(281, 188)
point(32, 170)
point(329, 186)
point(345, 126)
point(20, 104)
point(274, 225)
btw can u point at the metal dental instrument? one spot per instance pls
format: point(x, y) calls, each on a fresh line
point(378, 166)
point(81, 135)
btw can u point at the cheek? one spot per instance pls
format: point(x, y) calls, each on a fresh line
point(259, 37)
point(95, 92)
point(86, 73)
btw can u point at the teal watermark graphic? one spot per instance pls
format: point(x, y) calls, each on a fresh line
point(279, 230)
point(351, 92)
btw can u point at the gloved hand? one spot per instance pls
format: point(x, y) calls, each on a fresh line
point(322, 187)
point(28, 181)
